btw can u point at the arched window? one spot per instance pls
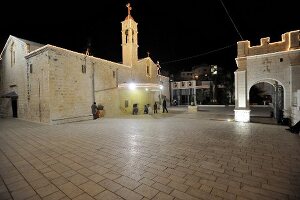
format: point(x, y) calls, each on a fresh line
point(132, 36)
point(12, 55)
point(126, 35)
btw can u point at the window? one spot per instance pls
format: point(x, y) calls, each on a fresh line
point(114, 74)
point(126, 103)
point(281, 59)
point(182, 84)
point(190, 83)
point(132, 36)
point(30, 68)
point(175, 85)
point(83, 69)
point(148, 70)
point(12, 55)
point(126, 36)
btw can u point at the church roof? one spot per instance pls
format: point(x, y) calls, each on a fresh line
point(129, 17)
point(32, 45)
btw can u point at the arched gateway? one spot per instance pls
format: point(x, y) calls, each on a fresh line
point(275, 63)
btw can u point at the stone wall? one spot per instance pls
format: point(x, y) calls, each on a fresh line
point(13, 66)
point(74, 77)
point(37, 88)
point(290, 41)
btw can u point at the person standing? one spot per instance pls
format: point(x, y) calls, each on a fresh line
point(94, 110)
point(165, 105)
point(155, 107)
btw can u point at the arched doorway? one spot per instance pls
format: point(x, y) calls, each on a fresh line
point(266, 97)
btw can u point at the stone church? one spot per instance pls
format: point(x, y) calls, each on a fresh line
point(53, 85)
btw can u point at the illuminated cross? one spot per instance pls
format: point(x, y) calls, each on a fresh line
point(148, 53)
point(267, 63)
point(129, 8)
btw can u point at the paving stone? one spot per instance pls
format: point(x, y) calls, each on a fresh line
point(179, 156)
point(146, 191)
point(91, 188)
point(128, 194)
point(107, 195)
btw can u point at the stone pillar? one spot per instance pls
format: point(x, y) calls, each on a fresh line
point(242, 111)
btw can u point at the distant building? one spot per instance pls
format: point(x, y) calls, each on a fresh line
point(198, 86)
point(49, 84)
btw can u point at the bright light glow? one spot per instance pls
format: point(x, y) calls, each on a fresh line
point(161, 87)
point(242, 115)
point(132, 86)
point(150, 86)
point(146, 89)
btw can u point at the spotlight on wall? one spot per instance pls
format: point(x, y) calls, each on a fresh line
point(161, 87)
point(132, 86)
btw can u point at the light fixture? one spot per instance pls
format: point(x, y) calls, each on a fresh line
point(132, 86)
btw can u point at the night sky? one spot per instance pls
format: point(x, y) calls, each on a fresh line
point(169, 30)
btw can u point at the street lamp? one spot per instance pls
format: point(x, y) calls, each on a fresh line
point(214, 71)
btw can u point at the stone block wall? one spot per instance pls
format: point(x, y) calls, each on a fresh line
point(13, 66)
point(290, 41)
point(37, 88)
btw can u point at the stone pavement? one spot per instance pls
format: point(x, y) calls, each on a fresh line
point(177, 155)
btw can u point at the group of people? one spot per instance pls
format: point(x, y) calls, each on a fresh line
point(148, 109)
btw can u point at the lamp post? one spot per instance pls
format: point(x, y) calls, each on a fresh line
point(214, 71)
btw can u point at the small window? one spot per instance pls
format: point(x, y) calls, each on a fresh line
point(148, 70)
point(182, 84)
point(30, 68)
point(132, 36)
point(190, 83)
point(126, 103)
point(126, 36)
point(281, 59)
point(175, 85)
point(114, 74)
point(83, 69)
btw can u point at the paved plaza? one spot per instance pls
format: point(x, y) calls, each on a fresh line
point(175, 155)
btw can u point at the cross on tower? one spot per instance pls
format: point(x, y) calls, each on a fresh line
point(129, 8)
point(148, 53)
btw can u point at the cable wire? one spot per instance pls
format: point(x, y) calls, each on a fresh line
point(231, 20)
point(195, 56)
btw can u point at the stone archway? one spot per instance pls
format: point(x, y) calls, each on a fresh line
point(269, 94)
point(277, 63)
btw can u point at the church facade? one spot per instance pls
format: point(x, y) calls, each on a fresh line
point(49, 84)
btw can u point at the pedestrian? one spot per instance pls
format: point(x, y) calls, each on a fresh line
point(165, 105)
point(155, 107)
point(145, 109)
point(150, 112)
point(94, 110)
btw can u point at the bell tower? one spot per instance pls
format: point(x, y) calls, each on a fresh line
point(129, 40)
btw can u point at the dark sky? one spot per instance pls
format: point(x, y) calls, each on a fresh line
point(169, 30)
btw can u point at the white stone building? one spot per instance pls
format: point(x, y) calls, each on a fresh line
point(49, 84)
point(276, 63)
